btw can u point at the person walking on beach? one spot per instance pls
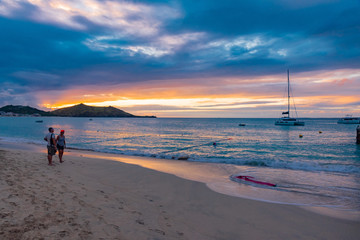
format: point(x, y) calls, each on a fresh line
point(61, 144)
point(51, 144)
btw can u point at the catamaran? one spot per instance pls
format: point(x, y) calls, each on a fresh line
point(287, 120)
point(349, 119)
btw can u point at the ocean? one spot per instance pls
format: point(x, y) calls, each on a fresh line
point(319, 169)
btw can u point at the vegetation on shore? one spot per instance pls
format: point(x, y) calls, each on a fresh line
point(24, 110)
point(80, 110)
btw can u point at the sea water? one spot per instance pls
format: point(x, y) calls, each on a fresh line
point(321, 168)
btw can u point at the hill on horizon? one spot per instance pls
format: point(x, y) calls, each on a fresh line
point(19, 109)
point(80, 110)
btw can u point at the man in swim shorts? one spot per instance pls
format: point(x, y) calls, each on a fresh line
point(51, 146)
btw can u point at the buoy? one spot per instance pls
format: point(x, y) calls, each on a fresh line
point(320, 131)
point(214, 144)
point(300, 136)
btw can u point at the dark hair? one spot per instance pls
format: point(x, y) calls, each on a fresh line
point(50, 128)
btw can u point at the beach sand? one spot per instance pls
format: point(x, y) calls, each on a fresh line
point(92, 198)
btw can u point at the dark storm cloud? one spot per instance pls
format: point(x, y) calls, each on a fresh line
point(26, 45)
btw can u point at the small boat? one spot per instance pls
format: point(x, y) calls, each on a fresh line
point(349, 119)
point(287, 120)
point(39, 121)
point(242, 124)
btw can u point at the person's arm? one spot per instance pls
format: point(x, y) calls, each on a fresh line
point(54, 141)
point(64, 143)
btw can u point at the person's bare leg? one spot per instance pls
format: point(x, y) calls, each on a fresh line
point(50, 159)
point(61, 152)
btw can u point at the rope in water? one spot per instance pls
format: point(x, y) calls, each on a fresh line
point(186, 148)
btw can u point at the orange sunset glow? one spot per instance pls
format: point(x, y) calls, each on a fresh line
point(245, 95)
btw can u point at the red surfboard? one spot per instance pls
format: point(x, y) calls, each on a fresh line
point(251, 179)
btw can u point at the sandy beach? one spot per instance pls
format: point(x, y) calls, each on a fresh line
point(93, 198)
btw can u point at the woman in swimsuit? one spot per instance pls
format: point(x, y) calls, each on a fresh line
point(61, 144)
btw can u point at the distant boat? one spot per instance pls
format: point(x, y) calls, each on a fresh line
point(287, 120)
point(39, 121)
point(349, 119)
point(242, 124)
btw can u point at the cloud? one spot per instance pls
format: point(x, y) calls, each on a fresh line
point(156, 47)
point(123, 17)
point(219, 48)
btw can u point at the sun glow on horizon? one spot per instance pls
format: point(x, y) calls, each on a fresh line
point(260, 95)
point(194, 103)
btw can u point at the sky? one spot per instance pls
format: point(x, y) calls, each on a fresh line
point(203, 58)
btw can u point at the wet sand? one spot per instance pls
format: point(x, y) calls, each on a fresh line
point(92, 198)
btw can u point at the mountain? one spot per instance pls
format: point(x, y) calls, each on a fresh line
point(24, 110)
point(82, 110)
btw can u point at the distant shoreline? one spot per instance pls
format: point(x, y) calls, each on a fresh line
point(175, 117)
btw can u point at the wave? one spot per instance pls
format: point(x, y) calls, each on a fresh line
point(291, 165)
point(338, 167)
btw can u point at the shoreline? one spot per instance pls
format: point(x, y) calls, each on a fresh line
point(91, 198)
point(218, 181)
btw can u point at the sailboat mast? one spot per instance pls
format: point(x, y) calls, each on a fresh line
point(288, 93)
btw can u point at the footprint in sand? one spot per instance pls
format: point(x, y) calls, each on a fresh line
point(148, 198)
point(81, 202)
point(157, 231)
point(139, 221)
point(63, 234)
point(13, 195)
point(4, 215)
point(136, 212)
point(9, 182)
point(85, 234)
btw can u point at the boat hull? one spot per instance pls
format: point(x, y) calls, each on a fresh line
point(292, 123)
point(348, 121)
